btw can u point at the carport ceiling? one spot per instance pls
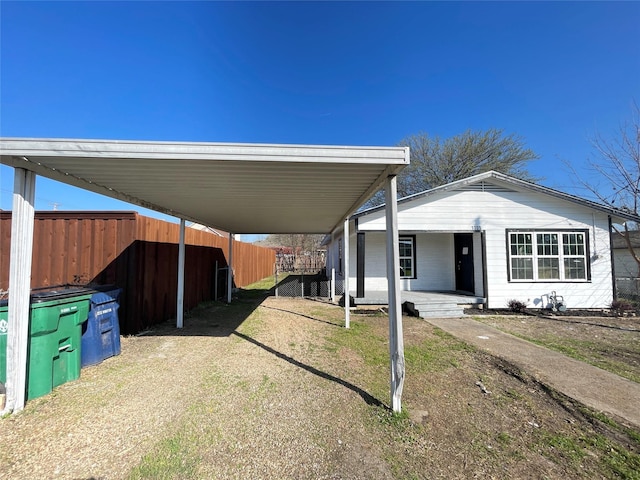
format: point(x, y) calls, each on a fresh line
point(240, 188)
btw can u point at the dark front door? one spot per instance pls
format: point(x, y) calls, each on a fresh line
point(464, 261)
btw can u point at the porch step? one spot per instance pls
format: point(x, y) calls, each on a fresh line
point(435, 310)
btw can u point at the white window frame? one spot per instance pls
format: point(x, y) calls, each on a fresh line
point(412, 257)
point(555, 249)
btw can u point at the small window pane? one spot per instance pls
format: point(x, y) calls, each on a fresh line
point(547, 243)
point(522, 269)
point(574, 269)
point(406, 269)
point(548, 268)
point(573, 243)
point(405, 249)
point(521, 244)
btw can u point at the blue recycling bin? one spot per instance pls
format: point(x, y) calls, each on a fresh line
point(101, 331)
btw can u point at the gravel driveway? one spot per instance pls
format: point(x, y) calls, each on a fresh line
point(265, 408)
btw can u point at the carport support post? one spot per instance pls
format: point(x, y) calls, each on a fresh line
point(24, 187)
point(396, 341)
point(180, 312)
point(347, 298)
point(230, 269)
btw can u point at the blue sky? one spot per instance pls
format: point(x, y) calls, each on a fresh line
point(320, 73)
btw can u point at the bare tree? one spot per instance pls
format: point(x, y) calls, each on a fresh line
point(302, 250)
point(614, 173)
point(436, 161)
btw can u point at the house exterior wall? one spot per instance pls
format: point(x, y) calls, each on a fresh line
point(434, 260)
point(494, 212)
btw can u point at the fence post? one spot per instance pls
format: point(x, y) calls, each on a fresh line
point(276, 280)
point(215, 284)
point(302, 285)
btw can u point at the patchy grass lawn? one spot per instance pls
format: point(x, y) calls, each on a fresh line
point(611, 343)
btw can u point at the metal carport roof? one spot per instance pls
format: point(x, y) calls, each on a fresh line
point(239, 188)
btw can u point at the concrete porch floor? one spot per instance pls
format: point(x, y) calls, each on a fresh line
point(426, 304)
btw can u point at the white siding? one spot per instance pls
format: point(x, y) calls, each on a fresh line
point(494, 213)
point(434, 263)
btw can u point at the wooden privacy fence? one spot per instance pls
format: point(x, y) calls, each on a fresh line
point(136, 253)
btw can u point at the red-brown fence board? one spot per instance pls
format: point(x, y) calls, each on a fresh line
point(138, 254)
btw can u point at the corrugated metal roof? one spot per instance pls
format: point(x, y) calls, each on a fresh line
point(240, 188)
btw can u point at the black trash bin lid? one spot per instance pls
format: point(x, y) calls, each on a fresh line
point(47, 294)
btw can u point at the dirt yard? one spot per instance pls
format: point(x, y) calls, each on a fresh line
point(276, 389)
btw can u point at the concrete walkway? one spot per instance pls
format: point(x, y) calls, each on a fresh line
point(592, 386)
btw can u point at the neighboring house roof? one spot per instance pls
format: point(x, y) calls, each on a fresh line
point(204, 228)
point(492, 178)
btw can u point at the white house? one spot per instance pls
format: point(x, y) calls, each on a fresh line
point(491, 236)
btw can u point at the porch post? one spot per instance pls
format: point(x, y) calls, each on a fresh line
point(332, 293)
point(360, 256)
point(347, 301)
point(17, 328)
point(230, 269)
point(180, 306)
point(396, 341)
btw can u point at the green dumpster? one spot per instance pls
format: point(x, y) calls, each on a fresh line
point(55, 330)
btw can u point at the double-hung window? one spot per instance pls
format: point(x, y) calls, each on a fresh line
point(407, 257)
point(547, 256)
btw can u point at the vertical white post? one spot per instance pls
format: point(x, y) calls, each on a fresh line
point(347, 297)
point(230, 269)
point(333, 284)
point(24, 187)
point(396, 340)
point(180, 306)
